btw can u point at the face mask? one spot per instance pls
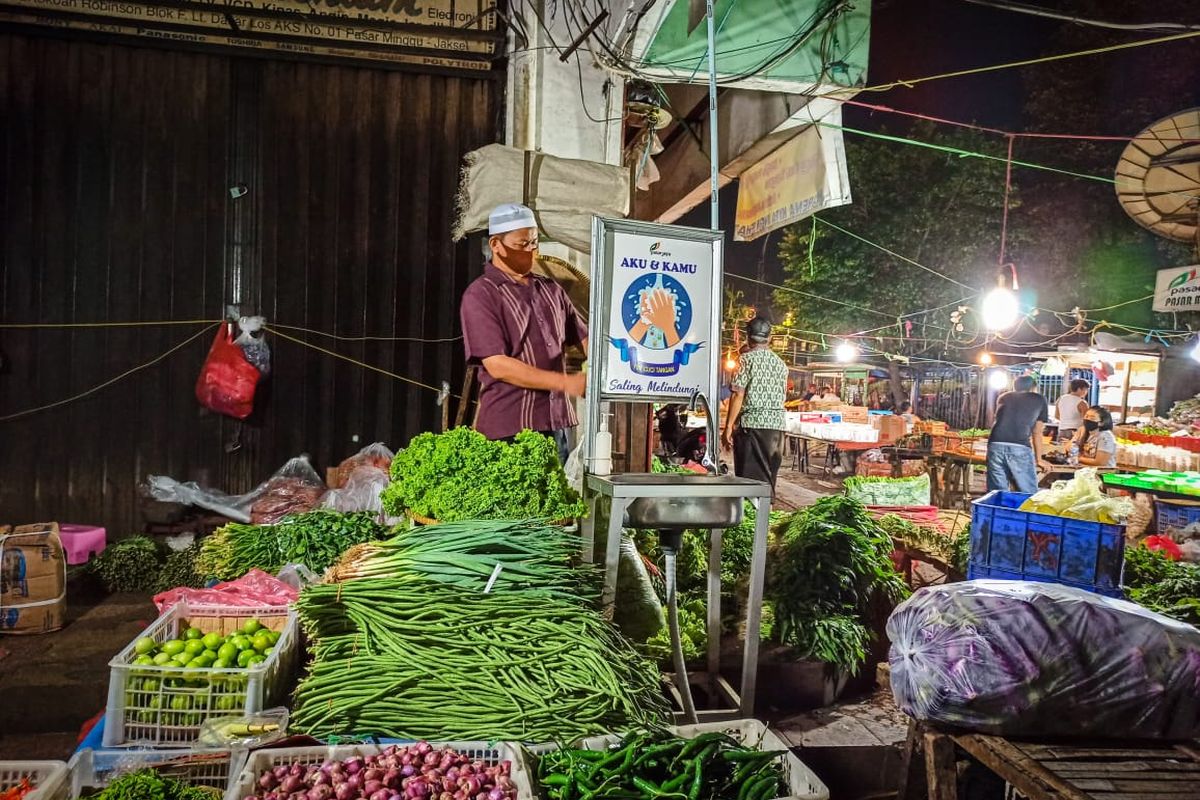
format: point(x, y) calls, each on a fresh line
point(519, 260)
point(1090, 425)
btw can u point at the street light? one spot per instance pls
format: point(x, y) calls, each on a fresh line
point(846, 353)
point(985, 358)
point(998, 379)
point(1196, 350)
point(1000, 309)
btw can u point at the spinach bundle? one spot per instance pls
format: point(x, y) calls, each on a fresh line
point(830, 574)
point(130, 565)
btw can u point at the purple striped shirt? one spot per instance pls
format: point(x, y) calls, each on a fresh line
point(532, 322)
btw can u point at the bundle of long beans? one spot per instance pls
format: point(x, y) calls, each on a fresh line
point(508, 555)
point(430, 660)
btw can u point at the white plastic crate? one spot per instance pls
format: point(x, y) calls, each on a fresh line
point(802, 783)
point(92, 770)
point(165, 706)
point(259, 761)
point(48, 778)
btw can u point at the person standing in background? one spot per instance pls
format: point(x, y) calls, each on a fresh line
point(1014, 448)
point(755, 423)
point(1071, 408)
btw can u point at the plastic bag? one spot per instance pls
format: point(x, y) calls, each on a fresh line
point(377, 455)
point(298, 576)
point(237, 507)
point(227, 380)
point(638, 611)
point(294, 489)
point(889, 491)
point(255, 588)
point(249, 731)
point(574, 466)
point(1017, 658)
point(360, 493)
point(255, 348)
point(1082, 497)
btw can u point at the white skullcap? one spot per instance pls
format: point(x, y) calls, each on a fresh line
point(510, 217)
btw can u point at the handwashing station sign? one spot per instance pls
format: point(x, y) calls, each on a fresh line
point(659, 296)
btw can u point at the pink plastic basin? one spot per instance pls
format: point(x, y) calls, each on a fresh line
point(81, 542)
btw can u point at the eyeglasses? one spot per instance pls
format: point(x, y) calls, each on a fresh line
point(522, 244)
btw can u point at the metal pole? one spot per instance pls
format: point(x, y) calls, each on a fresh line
point(714, 165)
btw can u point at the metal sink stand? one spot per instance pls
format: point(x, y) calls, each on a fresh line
point(621, 490)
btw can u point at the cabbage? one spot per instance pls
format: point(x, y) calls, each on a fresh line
point(1017, 658)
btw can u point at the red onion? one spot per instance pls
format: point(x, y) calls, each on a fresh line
point(345, 792)
point(354, 765)
point(407, 770)
point(268, 781)
point(496, 794)
point(290, 784)
point(371, 787)
point(424, 747)
point(372, 774)
point(382, 794)
point(320, 792)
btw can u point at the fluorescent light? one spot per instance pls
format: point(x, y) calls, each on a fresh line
point(999, 309)
point(998, 379)
point(845, 352)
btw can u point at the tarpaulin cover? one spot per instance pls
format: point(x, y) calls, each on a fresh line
point(1016, 658)
point(564, 193)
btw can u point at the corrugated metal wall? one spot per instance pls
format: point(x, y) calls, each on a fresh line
point(116, 165)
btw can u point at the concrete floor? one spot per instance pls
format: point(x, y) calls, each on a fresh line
point(51, 684)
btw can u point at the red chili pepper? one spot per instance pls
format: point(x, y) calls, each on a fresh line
point(1165, 544)
point(17, 792)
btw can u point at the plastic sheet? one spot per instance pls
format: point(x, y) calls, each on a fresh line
point(250, 731)
point(377, 455)
point(1033, 659)
point(274, 493)
point(255, 588)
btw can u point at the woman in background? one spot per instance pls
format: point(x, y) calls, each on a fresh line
point(1097, 444)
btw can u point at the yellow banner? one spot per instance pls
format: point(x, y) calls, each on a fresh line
point(784, 187)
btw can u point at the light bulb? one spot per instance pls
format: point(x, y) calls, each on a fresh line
point(985, 358)
point(845, 352)
point(1196, 350)
point(730, 363)
point(999, 309)
point(998, 379)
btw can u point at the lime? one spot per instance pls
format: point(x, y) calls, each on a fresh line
point(254, 660)
point(145, 660)
point(213, 640)
point(149, 685)
point(193, 647)
point(173, 647)
point(193, 633)
point(241, 642)
point(211, 655)
point(274, 636)
point(269, 650)
point(223, 663)
point(181, 702)
point(181, 660)
point(144, 645)
point(227, 703)
point(162, 659)
point(244, 657)
point(206, 659)
point(228, 651)
point(261, 642)
point(155, 702)
point(251, 627)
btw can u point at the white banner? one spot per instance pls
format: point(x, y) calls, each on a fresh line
point(660, 317)
point(1177, 289)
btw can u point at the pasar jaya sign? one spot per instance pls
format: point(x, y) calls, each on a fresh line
point(1177, 289)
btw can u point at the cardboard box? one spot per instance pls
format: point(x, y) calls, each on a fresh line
point(856, 414)
point(891, 428)
point(33, 576)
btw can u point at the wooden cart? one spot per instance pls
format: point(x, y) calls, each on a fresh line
point(1111, 770)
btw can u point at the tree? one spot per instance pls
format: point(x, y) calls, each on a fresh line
point(937, 208)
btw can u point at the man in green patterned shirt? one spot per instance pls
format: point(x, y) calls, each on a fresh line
point(755, 424)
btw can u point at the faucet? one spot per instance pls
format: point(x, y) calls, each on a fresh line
point(710, 446)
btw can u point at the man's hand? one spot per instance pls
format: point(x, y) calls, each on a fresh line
point(575, 385)
point(727, 439)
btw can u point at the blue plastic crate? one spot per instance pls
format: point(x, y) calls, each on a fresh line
point(1175, 515)
point(1010, 544)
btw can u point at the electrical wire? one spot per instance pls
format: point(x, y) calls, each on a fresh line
point(139, 324)
point(98, 387)
point(1036, 11)
point(894, 254)
point(806, 294)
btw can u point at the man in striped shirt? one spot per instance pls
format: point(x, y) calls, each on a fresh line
point(517, 326)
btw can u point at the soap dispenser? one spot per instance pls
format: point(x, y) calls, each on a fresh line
point(602, 460)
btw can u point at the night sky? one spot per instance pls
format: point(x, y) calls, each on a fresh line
point(914, 38)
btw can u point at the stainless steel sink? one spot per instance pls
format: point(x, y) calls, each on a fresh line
point(685, 501)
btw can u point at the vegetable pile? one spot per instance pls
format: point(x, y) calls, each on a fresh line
point(316, 539)
point(461, 474)
point(529, 555)
point(196, 649)
point(179, 569)
point(130, 565)
point(1154, 580)
point(416, 771)
point(147, 784)
point(1016, 658)
point(17, 792)
point(712, 766)
point(953, 551)
point(830, 574)
point(1186, 412)
point(431, 660)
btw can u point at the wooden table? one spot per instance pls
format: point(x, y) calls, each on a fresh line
point(950, 478)
point(833, 448)
point(1107, 770)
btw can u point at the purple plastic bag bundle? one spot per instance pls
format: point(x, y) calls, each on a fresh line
point(1017, 658)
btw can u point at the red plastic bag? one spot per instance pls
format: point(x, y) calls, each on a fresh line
point(227, 380)
point(255, 588)
point(1165, 544)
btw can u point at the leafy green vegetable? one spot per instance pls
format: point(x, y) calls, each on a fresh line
point(461, 474)
point(877, 491)
point(179, 569)
point(830, 575)
point(693, 634)
point(147, 784)
point(1171, 588)
point(953, 551)
point(130, 565)
point(316, 539)
point(1186, 411)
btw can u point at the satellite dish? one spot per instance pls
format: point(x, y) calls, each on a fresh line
point(1158, 177)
